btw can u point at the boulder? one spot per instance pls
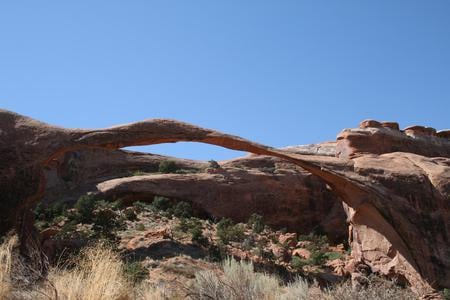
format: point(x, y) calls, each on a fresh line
point(301, 252)
point(288, 239)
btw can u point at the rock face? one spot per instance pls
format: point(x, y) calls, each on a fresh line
point(385, 137)
point(78, 172)
point(295, 200)
point(283, 193)
point(404, 211)
point(395, 185)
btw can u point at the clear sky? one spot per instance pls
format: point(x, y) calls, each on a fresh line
point(277, 72)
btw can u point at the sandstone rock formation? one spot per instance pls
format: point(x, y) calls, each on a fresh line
point(78, 172)
point(284, 194)
point(385, 137)
point(395, 185)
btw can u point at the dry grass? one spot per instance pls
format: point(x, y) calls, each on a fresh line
point(240, 282)
point(377, 289)
point(148, 292)
point(297, 290)
point(6, 261)
point(97, 274)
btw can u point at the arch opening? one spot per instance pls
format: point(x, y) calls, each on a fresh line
point(190, 150)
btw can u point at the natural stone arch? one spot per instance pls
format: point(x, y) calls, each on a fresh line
point(374, 209)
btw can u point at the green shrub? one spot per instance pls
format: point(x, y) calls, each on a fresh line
point(317, 258)
point(129, 214)
point(142, 206)
point(217, 253)
point(135, 272)
point(182, 210)
point(198, 237)
point(274, 239)
point(214, 164)
point(332, 255)
point(228, 232)
point(183, 226)
point(298, 263)
point(106, 219)
point(117, 204)
point(256, 223)
point(248, 243)
point(70, 231)
point(101, 204)
point(195, 228)
point(186, 171)
point(161, 203)
point(85, 207)
point(270, 170)
point(318, 242)
point(167, 166)
point(446, 294)
point(140, 227)
point(58, 219)
point(138, 173)
point(50, 212)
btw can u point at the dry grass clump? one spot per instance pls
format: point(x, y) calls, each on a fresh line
point(97, 275)
point(376, 289)
point(240, 282)
point(297, 290)
point(149, 292)
point(6, 261)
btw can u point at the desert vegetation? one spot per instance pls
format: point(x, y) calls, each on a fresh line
point(223, 260)
point(98, 273)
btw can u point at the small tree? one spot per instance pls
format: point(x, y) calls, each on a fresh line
point(161, 203)
point(228, 232)
point(182, 210)
point(85, 207)
point(167, 166)
point(256, 223)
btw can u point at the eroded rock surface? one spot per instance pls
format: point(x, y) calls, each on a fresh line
point(384, 137)
point(284, 194)
point(78, 172)
point(290, 199)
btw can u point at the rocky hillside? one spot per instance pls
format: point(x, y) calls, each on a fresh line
point(382, 190)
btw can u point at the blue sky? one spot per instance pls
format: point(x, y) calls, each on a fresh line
point(277, 72)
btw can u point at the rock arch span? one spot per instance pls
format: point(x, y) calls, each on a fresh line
point(393, 232)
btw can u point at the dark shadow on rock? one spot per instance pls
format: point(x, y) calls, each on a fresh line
point(165, 249)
